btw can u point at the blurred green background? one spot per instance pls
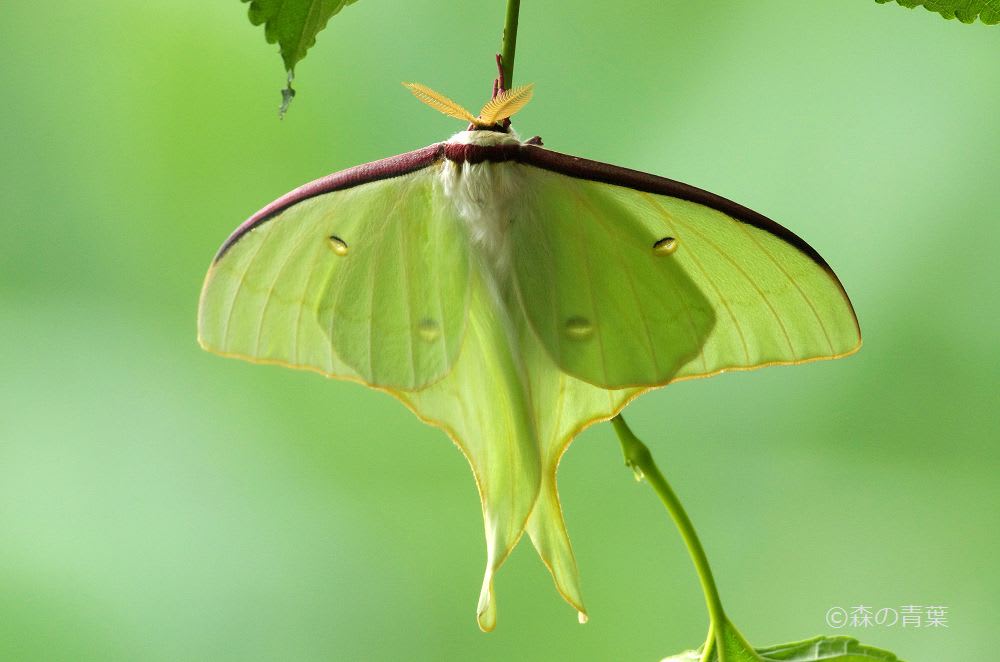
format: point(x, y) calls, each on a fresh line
point(161, 503)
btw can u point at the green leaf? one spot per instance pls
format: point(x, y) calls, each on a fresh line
point(844, 649)
point(967, 11)
point(817, 649)
point(293, 25)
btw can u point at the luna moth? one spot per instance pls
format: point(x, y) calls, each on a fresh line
point(512, 296)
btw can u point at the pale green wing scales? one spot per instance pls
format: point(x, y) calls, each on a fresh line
point(373, 282)
point(776, 301)
point(369, 283)
point(614, 289)
point(750, 289)
point(632, 288)
point(483, 405)
point(608, 308)
point(563, 406)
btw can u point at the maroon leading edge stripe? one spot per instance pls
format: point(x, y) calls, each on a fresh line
point(394, 166)
point(532, 155)
point(606, 173)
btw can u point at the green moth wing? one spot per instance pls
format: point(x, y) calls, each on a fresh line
point(634, 280)
point(484, 407)
point(602, 284)
point(366, 282)
point(596, 242)
point(275, 294)
point(606, 305)
point(777, 301)
point(563, 406)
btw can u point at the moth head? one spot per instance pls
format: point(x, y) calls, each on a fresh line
point(494, 116)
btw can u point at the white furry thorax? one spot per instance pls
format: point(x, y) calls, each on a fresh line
point(484, 195)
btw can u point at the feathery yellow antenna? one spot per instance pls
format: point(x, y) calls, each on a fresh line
point(440, 102)
point(498, 109)
point(505, 104)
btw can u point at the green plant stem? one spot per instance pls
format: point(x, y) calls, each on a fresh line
point(640, 460)
point(508, 44)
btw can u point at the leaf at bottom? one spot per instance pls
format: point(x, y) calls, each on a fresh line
point(817, 649)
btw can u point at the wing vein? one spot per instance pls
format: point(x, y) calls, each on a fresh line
point(239, 289)
point(330, 275)
point(670, 220)
point(749, 280)
point(631, 283)
point(296, 344)
point(593, 306)
point(274, 282)
point(805, 297)
point(407, 298)
point(385, 226)
point(371, 314)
